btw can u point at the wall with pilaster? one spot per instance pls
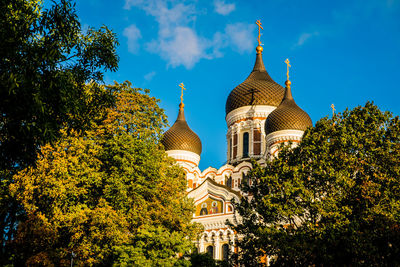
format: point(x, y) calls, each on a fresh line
point(249, 119)
point(276, 139)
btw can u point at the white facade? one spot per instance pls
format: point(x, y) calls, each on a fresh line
point(246, 123)
point(190, 159)
point(219, 186)
point(276, 139)
point(213, 190)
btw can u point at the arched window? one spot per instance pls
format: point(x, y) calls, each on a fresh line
point(230, 208)
point(257, 141)
point(229, 182)
point(210, 251)
point(245, 145)
point(225, 252)
point(235, 145)
point(230, 148)
point(245, 178)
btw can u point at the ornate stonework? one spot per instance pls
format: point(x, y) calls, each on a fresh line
point(249, 106)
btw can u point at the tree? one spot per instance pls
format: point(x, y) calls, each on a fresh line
point(332, 201)
point(206, 260)
point(45, 62)
point(106, 196)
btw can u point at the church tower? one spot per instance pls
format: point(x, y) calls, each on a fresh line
point(180, 142)
point(286, 123)
point(247, 107)
point(260, 115)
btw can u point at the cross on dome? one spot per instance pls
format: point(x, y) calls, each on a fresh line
point(182, 88)
point(259, 31)
point(252, 91)
point(288, 66)
point(333, 109)
point(288, 82)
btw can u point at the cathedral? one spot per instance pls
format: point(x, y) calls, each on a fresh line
point(260, 116)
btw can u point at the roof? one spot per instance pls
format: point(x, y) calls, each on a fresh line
point(287, 116)
point(257, 89)
point(180, 136)
point(209, 180)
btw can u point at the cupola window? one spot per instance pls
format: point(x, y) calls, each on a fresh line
point(229, 182)
point(246, 145)
point(230, 147)
point(257, 142)
point(235, 141)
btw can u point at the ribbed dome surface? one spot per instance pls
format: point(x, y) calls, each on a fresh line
point(257, 89)
point(287, 116)
point(180, 136)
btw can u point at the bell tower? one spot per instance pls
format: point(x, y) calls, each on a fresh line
point(247, 107)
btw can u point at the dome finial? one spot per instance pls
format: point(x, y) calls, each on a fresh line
point(259, 48)
point(181, 105)
point(180, 136)
point(288, 115)
point(288, 82)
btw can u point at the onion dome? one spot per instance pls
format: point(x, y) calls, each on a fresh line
point(180, 136)
point(257, 89)
point(288, 115)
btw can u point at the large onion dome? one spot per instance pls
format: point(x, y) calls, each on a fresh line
point(257, 89)
point(287, 116)
point(180, 136)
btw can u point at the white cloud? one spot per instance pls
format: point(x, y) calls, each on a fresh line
point(305, 37)
point(241, 36)
point(132, 33)
point(218, 41)
point(178, 42)
point(130, 3)
point(182, 47)
point(149, 76)
point(223, 8)
point(167, 13)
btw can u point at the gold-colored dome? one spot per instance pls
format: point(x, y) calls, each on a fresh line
point(257, 89)
point(287, 116)
point(180, 136)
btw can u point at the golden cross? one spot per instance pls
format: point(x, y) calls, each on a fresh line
point(333, 109)
point(183, 88)
point(288, 65)
point(259, 33)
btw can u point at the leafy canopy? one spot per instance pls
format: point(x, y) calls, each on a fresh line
point(108, 196)
point(45, 62)
point(333, 200)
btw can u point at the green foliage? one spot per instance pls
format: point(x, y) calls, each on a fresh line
point(45, 63)
point(205, 260)
point(334, 200)
point(110, 195)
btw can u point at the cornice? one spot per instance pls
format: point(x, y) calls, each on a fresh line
point(260, 112)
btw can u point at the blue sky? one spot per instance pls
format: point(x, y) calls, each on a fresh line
point(344, 52)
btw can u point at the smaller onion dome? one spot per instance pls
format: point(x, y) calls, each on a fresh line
point(287, 116)
point(180, 136)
